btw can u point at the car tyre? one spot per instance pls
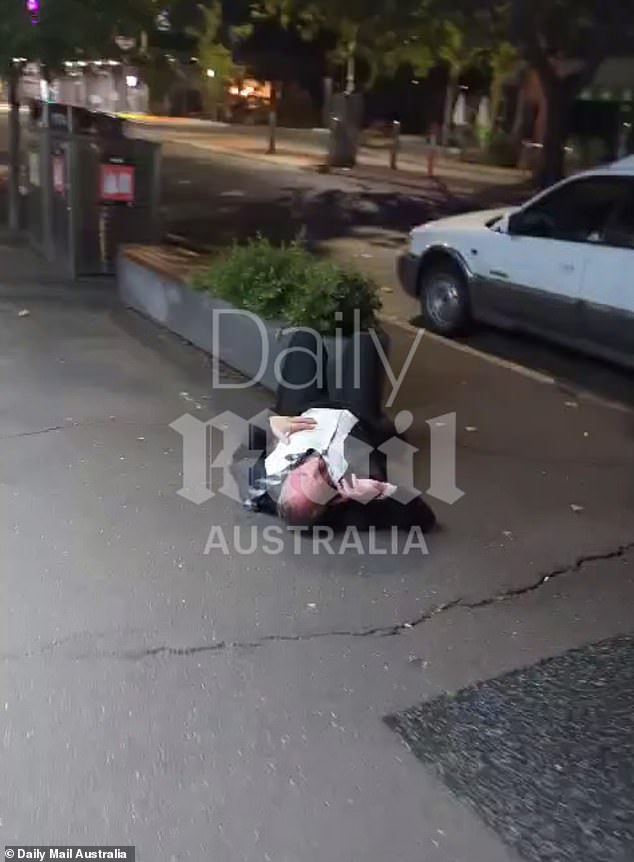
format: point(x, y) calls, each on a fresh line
point(444, 299)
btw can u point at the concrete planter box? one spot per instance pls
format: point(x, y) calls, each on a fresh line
point(153, 281)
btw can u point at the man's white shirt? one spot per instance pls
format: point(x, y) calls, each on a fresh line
point(327, 438)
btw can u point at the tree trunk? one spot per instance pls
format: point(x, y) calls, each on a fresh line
point(450, 99)
point(520, 109)
point(327, 111)
point(496, 96)
point(351, 71)
point(273, 109)
point(558, 97)
point(14, 150)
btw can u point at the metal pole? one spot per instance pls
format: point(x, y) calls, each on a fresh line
point(351, 71)
point(14, 150)
point(71, 167)
point(155, 203)
point(46, 182)
point(396, 144)
point(272, 133)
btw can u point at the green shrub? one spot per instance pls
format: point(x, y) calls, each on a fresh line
point(289, 284)
point(257, 276)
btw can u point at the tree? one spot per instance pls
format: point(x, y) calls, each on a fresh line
point(358, 26)
point(457, 34)
point(503, 61)
point(565, 41)
point(458, 50)
point(467, 36)
point(214, 48)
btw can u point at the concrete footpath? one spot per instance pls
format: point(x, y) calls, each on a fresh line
point(229, 706)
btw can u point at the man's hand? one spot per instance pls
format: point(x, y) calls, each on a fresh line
point(365, 490)
point(283, 426)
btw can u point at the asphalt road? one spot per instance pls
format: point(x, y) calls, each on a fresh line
point(229, 706)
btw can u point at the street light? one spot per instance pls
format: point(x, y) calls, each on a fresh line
point(131, 81)
point(211, 73)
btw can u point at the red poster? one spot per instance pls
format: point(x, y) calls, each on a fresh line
point(117, 183)
point(58, 175)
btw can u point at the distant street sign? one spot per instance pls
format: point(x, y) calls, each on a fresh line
point(117, 183)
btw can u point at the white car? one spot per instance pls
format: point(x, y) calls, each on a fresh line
point(561, 266)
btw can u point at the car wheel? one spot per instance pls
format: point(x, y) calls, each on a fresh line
point(444, 299)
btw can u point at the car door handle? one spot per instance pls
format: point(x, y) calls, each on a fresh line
point(568, 267)
point(497, 273)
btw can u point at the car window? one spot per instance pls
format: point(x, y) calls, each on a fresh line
point(578, 211)
point(620, 229)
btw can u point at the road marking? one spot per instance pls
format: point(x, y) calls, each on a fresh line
point(233, 193)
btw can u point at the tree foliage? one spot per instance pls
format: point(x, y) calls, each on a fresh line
point(67, 29)
point(361, 28)
point(580, 30)
point(458, 33)
point(565, 41)
point(214, 48)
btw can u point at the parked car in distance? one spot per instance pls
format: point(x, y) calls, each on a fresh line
point(561, 266)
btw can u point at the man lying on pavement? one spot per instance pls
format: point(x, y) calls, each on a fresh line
point(326, 470)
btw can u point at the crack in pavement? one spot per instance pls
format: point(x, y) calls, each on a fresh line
point(377, 631)
point(577, 566)
point(399, 628)
point(34, 433)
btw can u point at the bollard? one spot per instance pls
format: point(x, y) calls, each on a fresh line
point(272, 133)
point(431, 158)
point(396, 144)
point(332, 143)
point(432, 151)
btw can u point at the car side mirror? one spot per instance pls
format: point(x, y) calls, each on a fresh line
point(513, 225)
